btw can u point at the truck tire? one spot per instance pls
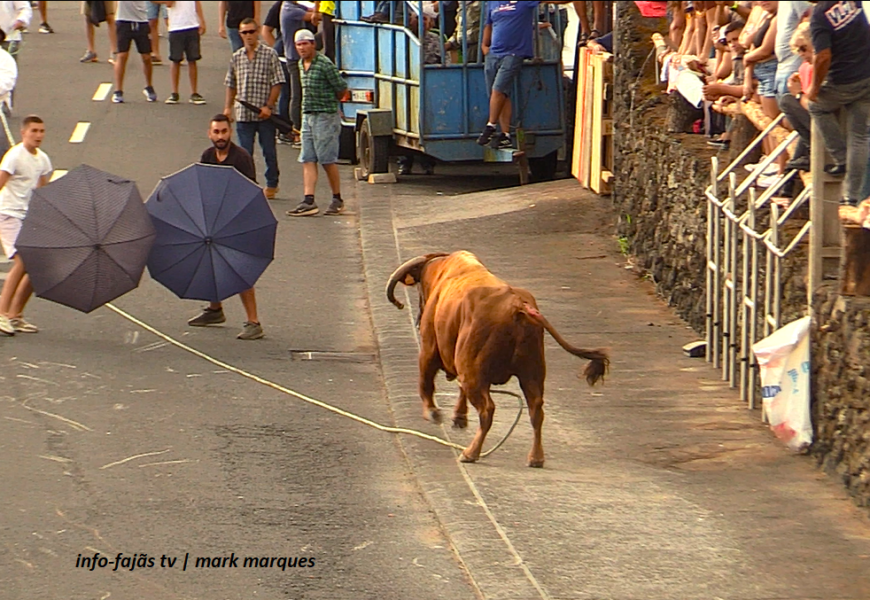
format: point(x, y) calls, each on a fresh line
point(373, 152)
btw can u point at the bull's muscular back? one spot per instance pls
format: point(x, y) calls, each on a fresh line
point(478, 324)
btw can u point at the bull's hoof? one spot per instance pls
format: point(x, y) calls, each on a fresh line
point(460, 421)
point(466, 459)
point(536, 464)
point(433, 415)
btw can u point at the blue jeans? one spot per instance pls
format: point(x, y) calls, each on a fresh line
point(284, 98)
point(235, 38)
point(851, 147)
point(865, 193)
point(265, 130)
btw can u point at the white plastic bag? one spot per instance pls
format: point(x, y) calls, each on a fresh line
point(784, 359)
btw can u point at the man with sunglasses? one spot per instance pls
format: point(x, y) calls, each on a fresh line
point(255, 76)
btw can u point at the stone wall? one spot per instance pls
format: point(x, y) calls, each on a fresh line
point(841, 390)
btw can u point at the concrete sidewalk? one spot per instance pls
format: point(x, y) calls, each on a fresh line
point(658, 485)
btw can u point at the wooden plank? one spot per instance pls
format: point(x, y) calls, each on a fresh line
point(579, 114)
point(596, 156)
point(586, 156)
point(601, 158)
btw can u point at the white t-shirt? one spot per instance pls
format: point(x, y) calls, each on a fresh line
point(25, 170)
point(182, 15)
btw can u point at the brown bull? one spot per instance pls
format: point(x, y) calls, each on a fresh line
point(481, 331)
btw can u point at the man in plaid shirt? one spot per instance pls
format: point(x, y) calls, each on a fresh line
point(255, 76)
point(322, 86)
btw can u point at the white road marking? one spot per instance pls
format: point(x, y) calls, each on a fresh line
point(79, 133)
point(102, 92)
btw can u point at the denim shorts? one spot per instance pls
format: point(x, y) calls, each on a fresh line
point(320, 136)
point(501, 71)
point(156, 10)
point(765, 73)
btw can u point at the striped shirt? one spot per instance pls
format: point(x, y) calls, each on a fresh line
point(253, 79)
point(321, 82)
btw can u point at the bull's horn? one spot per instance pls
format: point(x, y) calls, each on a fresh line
point(400, 274)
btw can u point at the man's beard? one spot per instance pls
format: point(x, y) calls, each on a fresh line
point(221, 144)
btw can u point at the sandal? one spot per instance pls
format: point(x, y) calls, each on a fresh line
point(584, 37)
point(594, 34)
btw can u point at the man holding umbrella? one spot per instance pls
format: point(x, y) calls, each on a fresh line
point(24, 168)
point(225, 152)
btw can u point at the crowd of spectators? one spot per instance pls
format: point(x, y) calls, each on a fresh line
point(807, 60)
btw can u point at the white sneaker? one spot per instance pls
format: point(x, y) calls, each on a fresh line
point(766, 181)
point(6, 326)
point(22, 326)
point(771, 169)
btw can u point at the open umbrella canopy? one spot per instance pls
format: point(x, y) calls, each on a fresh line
point(215, 232)
point(86, 238)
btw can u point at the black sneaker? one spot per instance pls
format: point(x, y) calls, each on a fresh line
point(501, 141)
point(196, 99)
point(45, 28)
point(207, 317)
point(802, 163)
point(486, 135)
point(720, 144)
point(835, 169)
point(848, 202)
point(303, 210)
point(173, 98)
point(118, 97)
point(336, 207)
point(150, 94)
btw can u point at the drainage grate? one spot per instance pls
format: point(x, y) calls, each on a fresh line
point(323, 355)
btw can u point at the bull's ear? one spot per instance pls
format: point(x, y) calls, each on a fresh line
point(409, 280)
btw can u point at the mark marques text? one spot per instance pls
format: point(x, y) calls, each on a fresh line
point(131, 562)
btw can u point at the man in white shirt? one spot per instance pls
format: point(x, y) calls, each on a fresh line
point(186, 25)
point(8, 78)
point(23, 169)
point(14, 17)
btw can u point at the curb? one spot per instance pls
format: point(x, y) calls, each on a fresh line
point(495, 572)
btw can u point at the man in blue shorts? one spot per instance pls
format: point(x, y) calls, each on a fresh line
point(508, 39)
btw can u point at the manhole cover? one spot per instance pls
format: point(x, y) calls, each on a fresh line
point(322, 355)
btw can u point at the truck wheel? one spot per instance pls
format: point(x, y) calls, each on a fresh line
point(544, 168)
point(373, 152)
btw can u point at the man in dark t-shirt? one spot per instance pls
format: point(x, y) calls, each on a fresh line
point(225, 152)
point(231, 14)
point(841, 79)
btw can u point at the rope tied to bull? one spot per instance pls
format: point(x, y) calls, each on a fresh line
point(315, 402)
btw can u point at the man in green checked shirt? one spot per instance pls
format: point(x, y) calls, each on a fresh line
point(322, 87)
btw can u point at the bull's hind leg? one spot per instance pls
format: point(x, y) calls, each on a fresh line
point(460, 411)
point(482, 401)
point(430, 363)
point(534, 393)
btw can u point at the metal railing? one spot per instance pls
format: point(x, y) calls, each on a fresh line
point(736, 303)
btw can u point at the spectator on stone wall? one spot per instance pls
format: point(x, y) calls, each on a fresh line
point(787, 19)
point(795, 104)
point(841, 80)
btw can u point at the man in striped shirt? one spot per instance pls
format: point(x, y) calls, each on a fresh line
point(255, 76)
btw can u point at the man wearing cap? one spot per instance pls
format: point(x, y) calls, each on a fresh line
point(322, 87)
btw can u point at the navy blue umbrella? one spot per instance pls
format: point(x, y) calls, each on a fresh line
point(215, 232)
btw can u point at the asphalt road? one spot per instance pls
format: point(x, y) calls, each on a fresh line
point(114, 442)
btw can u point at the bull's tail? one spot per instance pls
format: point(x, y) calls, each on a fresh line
point(599, 361)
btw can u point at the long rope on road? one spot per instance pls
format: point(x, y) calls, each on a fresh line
point(314, 401)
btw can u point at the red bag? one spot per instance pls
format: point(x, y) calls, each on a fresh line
point(653, 9)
